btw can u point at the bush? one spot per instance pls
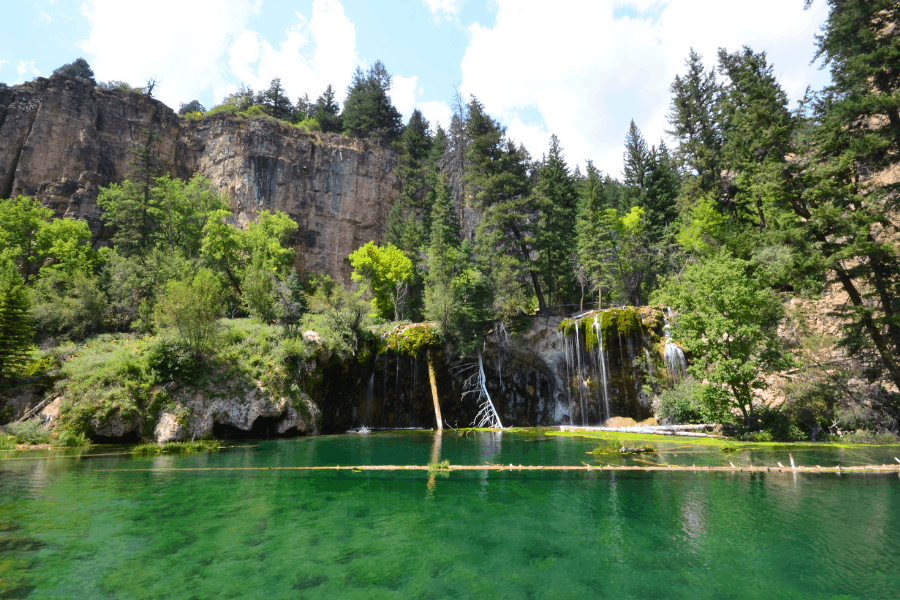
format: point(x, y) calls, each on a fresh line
point(869, 437)
point(7, 442)
point(69, 307)
point(29, 432)
point(193, 309)
point(71, 439)
point(690, 402)
point(168, 361)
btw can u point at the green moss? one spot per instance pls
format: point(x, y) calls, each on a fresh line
point(410, 340)
point(174, 447)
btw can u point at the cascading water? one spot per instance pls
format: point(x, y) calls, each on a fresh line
point(579, 374)
point(676, 364)
point(601, 359)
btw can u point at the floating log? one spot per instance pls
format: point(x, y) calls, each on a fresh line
point(494, 467)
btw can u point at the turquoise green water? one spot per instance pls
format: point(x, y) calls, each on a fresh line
point(75, 527)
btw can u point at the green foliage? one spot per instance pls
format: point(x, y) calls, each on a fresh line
point(192, 107)
point(193, 307)
point(174, 447)
point(168, 360)
point(15, 323)
point(385, 271)
point(160, 213)
point(337, 314)
point(29, 432)
point(37, 243)
point(326, 112)
point(69, 307)
point(727, 320)
point(79, 68)
point(368, 112)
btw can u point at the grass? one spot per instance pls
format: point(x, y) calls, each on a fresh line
point(444, 465)
point(174, 447)
point(614, 446)
point(29, 432)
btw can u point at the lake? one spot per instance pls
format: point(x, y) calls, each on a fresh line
point(101, 524)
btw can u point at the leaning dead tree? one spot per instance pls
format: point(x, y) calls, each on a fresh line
point(475, 385)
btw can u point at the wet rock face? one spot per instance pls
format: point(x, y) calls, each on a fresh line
point(338, 190)
point(61, 141)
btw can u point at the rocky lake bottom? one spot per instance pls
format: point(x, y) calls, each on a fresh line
point(103, 524)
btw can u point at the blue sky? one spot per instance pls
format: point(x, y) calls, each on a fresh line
point(581, 69)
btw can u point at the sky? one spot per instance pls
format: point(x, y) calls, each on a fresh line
point(580, 69)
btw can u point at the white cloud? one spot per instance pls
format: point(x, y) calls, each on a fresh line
point(3, 62)
point(443, 9)
point(587, 74)
point(191, 60)
point(43, 17)
point(26, 68)
point(314, 53)
point(404, 91)
point(437, 113)
point(179, 43)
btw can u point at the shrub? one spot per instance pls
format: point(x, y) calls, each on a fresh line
point(778, 423)
point(7, 442)
point(168, 361)
point(69, 307)
point(684, 404)
point(869, 437)
point(71, 439)
point(29, 432)
point(193, 308)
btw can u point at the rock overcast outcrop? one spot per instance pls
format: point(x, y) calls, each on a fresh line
point(61, 140)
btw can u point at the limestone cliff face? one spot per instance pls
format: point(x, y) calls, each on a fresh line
point(61, 141)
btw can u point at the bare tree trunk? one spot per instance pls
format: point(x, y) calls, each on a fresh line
point(434, 391)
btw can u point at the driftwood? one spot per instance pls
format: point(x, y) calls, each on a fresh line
point(37, 408)
point(583, 467)
point(434, 390)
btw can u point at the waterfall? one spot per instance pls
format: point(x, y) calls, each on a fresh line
point(579, 374)
point(601, 359)
point(676, 365)
point(565, 340)
point(368, 408)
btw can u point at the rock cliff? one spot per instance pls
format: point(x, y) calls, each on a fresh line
point(61, 141)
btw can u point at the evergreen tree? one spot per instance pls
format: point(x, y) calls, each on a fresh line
point(662, 186)
point(505, 237)
point(443, 256)
point(694, 118)
point(368, 112)
point(77, 68)
point(303, 109)
point(275, 102)
point(15, 324)
point(327, 111)
point(558, 202)
point(595, 249)
point(637, 163)
point(855, 132)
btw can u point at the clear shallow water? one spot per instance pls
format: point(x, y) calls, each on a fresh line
point(73, 527)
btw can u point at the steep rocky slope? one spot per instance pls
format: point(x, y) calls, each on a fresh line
point(61, 141)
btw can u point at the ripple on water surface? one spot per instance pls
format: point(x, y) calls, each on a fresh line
point(77, 528)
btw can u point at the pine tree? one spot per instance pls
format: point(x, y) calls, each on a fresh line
point(368, 112)
point(275, 102)
point(558, 202)
point(327, 111)
point(854, 133)
point(694, 119)
point(443, 256)
point(636, 164)
point(77, 68)
point(15, 324)
point(505, 238)
point(662, 186)
point(596, 246)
